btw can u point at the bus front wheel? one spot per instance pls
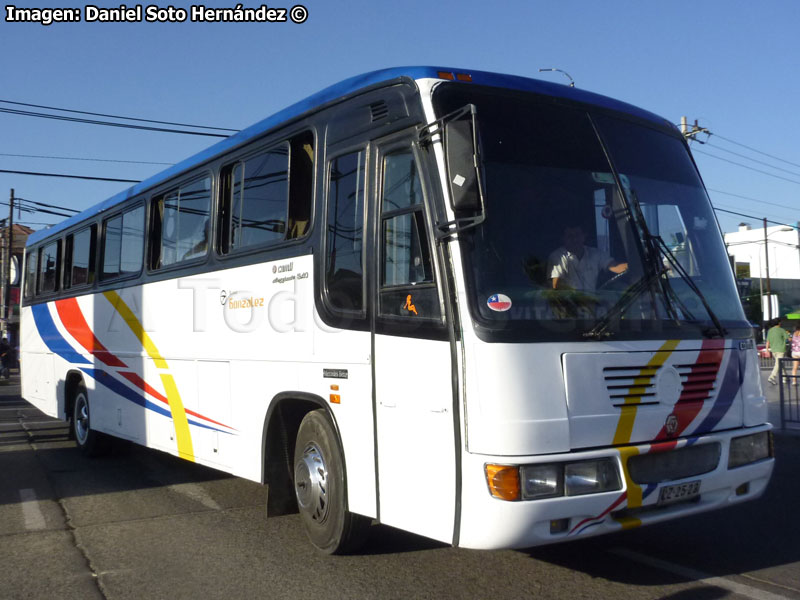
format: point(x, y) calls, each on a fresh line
point(92, 443)
point(319, 485)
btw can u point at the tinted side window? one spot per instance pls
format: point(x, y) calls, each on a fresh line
point(122, 244)
point(407, 287)
point(48, 268)
point(344, 271)
point(79, 264)
point(181, 223)
point(266, 198)
point(259, 199)
point(31, 264)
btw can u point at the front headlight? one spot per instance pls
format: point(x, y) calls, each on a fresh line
point(749, 449)
point(591, 477)
point(542, 481)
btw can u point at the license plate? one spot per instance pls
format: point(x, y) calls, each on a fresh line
point(679, 492)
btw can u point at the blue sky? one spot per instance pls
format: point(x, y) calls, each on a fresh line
point(730, 64)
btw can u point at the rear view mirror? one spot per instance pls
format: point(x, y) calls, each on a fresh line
point(462, 148)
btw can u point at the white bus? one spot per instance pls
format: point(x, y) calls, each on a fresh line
point(489, 310)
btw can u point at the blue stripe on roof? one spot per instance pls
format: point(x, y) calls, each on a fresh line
point(339, 91)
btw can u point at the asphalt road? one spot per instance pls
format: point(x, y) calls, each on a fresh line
point(142, 524)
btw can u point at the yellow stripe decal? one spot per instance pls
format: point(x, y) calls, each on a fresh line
point(634, 491)
point(185, 449)
point(127, 314)
point(628, 412)
point(179, 418)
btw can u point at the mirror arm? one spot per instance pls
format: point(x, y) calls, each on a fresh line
point(426, 133)
point(447, 230)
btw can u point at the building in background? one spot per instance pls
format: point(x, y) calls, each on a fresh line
point(766, 260)
point(9, 320)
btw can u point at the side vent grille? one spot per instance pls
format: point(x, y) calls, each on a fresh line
point(699, 381)
point(631, 385)
point(636, 385)
point(379, 110)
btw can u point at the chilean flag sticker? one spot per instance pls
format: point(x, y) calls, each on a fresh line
point(499, 302)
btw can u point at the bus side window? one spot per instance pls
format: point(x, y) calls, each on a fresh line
point(79, 258)
point(123, 244)
point(31, 265)
point(407, 283)
point(266, 199)
point(301, 184)
point(48, 268)
point(257, 198)
point(181, 221)
point(344, 238)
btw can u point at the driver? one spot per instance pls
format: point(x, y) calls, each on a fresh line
point(576, 266)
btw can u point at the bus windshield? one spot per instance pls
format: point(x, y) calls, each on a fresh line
point(594, 222)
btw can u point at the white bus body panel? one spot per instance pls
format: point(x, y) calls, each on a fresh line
point(191, 365)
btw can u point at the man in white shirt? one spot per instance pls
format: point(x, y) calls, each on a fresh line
point(576, 266)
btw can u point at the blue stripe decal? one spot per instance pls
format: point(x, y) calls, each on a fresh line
point(725, 398)
point(52, 337)
point(123, 390)
point(651, 487)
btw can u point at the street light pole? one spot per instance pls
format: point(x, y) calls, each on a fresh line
point(769, 286)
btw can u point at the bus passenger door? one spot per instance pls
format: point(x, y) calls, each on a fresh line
point(412, 354)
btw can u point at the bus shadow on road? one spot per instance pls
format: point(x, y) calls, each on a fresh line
point(39, 455)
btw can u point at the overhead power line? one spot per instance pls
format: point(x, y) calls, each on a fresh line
point(111, 160)
point(696, 151)
point(46, 205)
point(86, 177)
point(94, 114)
point(26, 113)
point(754, 217)
point(760, 162)
point(730, 141)
point(752, 199)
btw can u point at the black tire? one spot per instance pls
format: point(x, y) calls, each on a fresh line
point(92, 443)
point(320, 487)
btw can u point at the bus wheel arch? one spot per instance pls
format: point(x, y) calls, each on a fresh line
point(286, 411)
point(74, 379)
point(300, 429)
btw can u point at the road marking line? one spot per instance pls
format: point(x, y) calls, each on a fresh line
point(34, 519)
point(699, 576)
point(196, 493)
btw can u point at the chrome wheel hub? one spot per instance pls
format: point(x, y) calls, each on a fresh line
point(81, 418)
point(311, 483)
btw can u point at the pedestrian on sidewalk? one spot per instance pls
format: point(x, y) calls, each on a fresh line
point(795, 351)
point(776, 343)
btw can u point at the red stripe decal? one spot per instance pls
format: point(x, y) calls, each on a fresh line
point(143, 385)
point(686, 409)
point(72, 318)
point(601, 515)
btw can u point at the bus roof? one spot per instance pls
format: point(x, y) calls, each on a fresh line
point(341, 91)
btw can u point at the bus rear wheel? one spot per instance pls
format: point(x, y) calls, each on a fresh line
point(92, 443)
point(320, 487)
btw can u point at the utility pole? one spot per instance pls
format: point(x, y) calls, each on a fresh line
point(766, 262)
point(691, 134)
point(7, 274)
point(4, 288)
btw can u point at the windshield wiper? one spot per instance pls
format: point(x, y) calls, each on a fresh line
point(667, 253)
point(629, 296)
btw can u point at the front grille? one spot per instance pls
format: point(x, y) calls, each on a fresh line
point(699, 381)
point(658, 467)
point(631, 385)
point(636, 385)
